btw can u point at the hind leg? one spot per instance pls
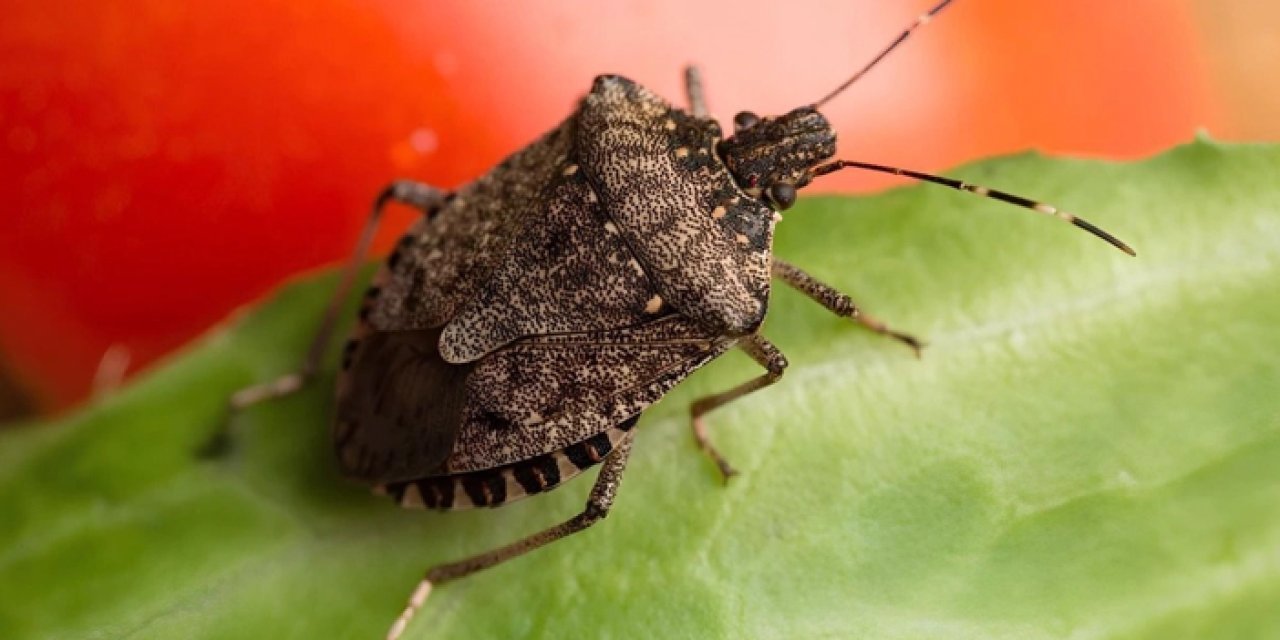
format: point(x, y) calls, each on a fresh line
point(424, 197)
point(769, 357)
point(598, 504)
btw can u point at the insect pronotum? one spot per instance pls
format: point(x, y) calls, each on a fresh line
point(524, 322)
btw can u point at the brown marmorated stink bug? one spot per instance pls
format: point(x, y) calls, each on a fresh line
point(521, 326)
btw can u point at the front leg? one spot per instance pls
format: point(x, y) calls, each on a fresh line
point(838, 303)
point(768, 356)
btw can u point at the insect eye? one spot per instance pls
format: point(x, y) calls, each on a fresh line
point(744, 120)
point(782, 194)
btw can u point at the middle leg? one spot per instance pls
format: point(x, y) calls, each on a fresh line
point(598, 504)
point(768, 356)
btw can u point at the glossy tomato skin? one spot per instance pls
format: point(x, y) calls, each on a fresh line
point(163, 163)
point(168, 163)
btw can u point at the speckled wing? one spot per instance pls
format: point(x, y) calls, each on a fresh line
point(443, 261)
point(543, 394)
point(704, 242)
point(569, 272)
point(410, 415)
point(566, 291)
point(400, 407)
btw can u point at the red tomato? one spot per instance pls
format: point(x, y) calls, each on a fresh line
point(163, 163)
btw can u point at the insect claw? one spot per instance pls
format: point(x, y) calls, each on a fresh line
point(727, 472)
point(917, 346)
point(221, 442)
point(875, 324)
point(217, 446)
point(700, 435)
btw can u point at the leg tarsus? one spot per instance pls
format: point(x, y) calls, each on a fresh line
point(278, 388)
point(598, 504)
point(878, 326)
point(767, 356)
point(219, 444)
point(840, 304)
point(704, 443)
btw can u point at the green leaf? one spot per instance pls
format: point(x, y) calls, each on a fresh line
point(1088, 449)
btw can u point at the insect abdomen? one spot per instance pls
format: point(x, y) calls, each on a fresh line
point(500, 485)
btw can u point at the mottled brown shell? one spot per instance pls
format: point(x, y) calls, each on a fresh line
point(556, 297)
point(705, 242)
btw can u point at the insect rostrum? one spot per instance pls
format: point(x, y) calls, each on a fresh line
point(524, 322)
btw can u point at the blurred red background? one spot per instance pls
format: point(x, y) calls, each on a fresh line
point(162, 163)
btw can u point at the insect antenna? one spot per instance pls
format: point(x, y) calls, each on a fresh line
point(1020, 201)
point(902, 37)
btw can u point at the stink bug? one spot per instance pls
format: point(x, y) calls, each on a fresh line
point(521, 326)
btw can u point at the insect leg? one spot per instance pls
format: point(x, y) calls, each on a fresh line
point(839, 303)
point(414, 194)
point(768, 356)
point(598, 503)
point(693, 89)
